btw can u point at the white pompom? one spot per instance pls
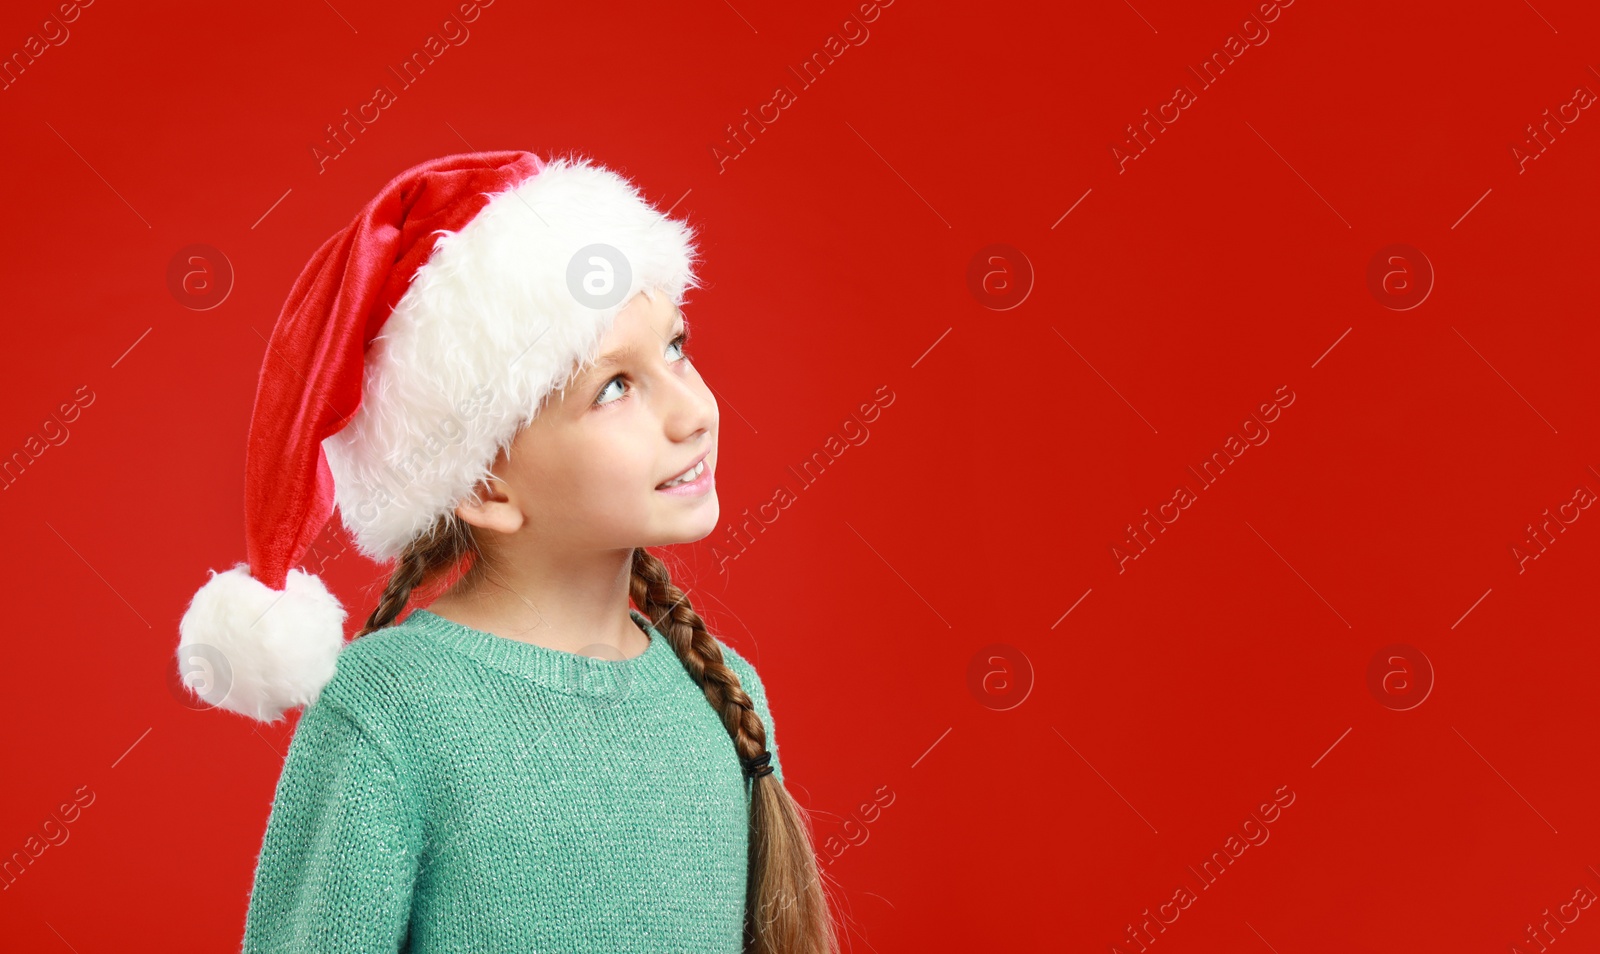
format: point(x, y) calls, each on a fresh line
point(256, 651)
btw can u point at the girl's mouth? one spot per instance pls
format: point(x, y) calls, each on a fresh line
point(692, 482)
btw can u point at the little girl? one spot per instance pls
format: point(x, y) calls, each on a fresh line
point(486, 372)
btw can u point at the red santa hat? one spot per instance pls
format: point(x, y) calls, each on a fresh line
point(414, 345)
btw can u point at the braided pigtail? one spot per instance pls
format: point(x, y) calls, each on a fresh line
point(786, 911)
point(423, 560)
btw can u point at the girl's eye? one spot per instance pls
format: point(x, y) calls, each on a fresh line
point(678, 343)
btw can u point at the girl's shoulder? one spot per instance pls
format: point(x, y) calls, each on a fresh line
point(750, 682)
point(396, 648)
point(382, 676)
point(749, 678)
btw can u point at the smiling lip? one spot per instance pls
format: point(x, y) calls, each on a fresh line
point(694, 487)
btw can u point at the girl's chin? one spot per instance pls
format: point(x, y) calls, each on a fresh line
point(691, 528)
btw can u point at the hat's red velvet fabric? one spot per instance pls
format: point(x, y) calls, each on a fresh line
point(310, 384)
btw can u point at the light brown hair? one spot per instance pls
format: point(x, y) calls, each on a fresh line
point(786, 909)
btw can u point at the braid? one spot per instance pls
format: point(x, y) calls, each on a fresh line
point(668, 609)
point(786, 910)
point(424, 557)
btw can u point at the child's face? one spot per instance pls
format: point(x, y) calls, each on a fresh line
point(585, 474)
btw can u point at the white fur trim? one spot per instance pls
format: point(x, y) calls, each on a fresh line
point(487, 329)
point(256, 651)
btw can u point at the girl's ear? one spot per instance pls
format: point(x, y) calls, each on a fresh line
point(492, 508)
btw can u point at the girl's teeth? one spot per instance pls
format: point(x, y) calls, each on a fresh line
point(686, 478)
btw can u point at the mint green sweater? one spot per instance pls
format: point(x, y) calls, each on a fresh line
point(454, 790)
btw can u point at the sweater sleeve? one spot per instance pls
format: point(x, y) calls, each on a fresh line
point(338, 859)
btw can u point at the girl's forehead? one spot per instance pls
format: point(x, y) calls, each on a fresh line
point(623, 340)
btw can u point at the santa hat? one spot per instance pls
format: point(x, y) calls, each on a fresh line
point(414, 345)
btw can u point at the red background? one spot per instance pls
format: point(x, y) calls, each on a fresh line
point(1228, 260)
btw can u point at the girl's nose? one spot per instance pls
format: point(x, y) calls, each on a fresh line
point(692, 408)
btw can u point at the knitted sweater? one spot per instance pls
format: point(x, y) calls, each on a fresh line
point(454, 790)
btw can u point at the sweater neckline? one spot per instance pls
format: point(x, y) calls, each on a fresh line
point(575, 674)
